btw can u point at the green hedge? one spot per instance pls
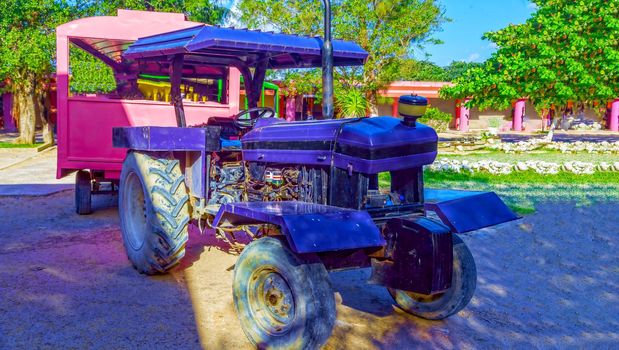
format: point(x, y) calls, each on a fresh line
point(437, 119)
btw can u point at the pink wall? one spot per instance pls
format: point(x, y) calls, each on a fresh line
point(85, 123)
point(88, 137)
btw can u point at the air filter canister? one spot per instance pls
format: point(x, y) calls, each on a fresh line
point(411, 107)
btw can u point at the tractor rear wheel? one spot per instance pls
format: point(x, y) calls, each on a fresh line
point(283, 300)
point(83, 192)
point(154, 211)
point(437, 307)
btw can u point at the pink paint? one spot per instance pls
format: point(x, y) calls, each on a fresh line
point(519, 110)
point(613, 118)
point(7, 113)
point(464, 115)
point(290, 108)
point(394, 108)
point(85, 123)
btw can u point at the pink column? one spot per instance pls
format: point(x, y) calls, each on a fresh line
point(7, 106)
point(234, 90)
point(518, 114)
point(290, 108)
point(613, 122)
point(464, 117)
point(394, 108)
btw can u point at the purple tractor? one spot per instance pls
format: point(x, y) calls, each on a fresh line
point(306, 192)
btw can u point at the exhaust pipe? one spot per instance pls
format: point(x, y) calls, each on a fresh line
point(327, 65)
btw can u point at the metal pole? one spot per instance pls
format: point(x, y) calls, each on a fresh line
point(176, 74)
point(327, 65)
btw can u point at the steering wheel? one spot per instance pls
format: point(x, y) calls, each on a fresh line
point(247, 119)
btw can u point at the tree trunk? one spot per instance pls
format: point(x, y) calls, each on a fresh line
point(373, 104)
point(42, 111)
point(25, 101)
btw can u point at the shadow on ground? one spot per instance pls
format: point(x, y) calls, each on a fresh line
point(546, 281)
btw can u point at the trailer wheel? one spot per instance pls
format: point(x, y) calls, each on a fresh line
point(154, 211)
point(437, 307)
point(283, 300)
point(83, 193)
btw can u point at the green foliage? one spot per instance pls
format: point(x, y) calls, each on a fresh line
point(351, 103)
point(19, 145)
point(387, 29)
point(567, 51)
point(427, 71)
point(495, 122)
point(205, 11)
point(89, 75)
point(457, 68)
point(27, 41)
point(437, 119)
point(414, 70)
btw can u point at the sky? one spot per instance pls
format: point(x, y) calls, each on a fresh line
point(470, 20)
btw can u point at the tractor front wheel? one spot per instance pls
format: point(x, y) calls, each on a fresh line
point(437, 307)
point(154, 211)
point(283, 300)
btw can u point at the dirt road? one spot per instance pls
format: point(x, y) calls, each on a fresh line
point(547, 281)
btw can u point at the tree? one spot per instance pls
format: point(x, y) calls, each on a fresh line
point(414, 70)
point(567, 51)
point(388, 30)
point(205, 11)
point(26, 46)
point(457, 68)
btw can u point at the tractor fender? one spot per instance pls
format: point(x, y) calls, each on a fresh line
point(308, 227)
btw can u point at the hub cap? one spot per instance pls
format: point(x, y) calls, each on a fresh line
point(271, 301)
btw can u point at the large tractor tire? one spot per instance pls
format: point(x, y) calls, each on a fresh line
point(83, 192)
point(154, 211)
point(437, 307)
point(283, 300)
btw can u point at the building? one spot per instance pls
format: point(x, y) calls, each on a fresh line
point(521, 117)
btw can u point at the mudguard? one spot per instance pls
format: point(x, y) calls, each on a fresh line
point(308, 227)
point(465, 211)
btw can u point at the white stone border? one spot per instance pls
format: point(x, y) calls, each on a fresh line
point(540, 167)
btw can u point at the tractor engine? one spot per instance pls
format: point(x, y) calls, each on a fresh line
point(338, 162)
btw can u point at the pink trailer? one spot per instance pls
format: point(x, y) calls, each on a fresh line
point(85, 122)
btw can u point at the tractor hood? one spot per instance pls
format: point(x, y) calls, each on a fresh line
point(365, 145)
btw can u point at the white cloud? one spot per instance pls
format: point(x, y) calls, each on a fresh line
point(472, 57)
point(532, 6)
point(493, 46)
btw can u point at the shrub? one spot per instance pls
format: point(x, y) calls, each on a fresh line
point(437, 119)
point(350, 103)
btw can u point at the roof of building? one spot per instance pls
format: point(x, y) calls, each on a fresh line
point(427, 89)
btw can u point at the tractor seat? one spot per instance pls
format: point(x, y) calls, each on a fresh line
point(230, 136)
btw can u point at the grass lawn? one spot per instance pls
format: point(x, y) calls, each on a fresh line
point(522, 190)
point(15, 145)
point(548, 156)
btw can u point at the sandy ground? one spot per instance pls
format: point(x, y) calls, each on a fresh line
point(549, 280)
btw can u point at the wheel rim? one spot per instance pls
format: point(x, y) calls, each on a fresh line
point(423, 298)
point(271, 301)
point(135, 212)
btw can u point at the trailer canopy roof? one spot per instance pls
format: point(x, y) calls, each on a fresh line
point(215, 45)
